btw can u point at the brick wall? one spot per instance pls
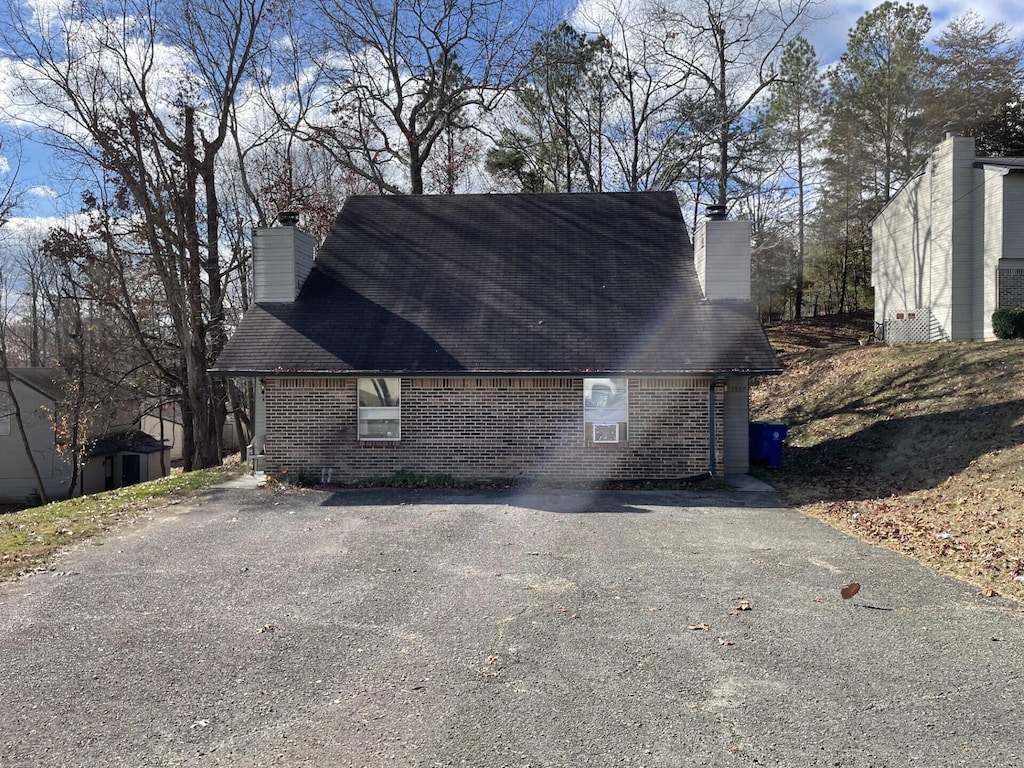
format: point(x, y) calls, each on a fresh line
point(490, 428)
point(1011, 287)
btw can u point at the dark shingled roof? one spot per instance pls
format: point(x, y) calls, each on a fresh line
point(129, 441)
point(570, 283)
point(47, 381)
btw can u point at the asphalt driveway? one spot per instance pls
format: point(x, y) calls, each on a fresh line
point(501, 628)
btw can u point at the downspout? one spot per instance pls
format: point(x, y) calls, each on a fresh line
point(712, 432)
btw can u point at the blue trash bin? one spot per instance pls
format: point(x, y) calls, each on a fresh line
point(766, 439)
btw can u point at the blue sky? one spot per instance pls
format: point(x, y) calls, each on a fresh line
point(45, 198)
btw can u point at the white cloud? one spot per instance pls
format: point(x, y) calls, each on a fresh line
point(42, 191)
point(45, 12)
point(30, 231)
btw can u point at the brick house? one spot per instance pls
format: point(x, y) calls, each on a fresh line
point(569, 337)
point(948, 248)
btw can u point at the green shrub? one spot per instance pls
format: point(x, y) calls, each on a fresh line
point(1008, 322)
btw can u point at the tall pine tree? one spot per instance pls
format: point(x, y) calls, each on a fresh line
point(794, 121)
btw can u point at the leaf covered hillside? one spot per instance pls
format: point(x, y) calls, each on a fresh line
point(917, 447)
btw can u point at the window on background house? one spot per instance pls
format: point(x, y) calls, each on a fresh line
point(380, 409)
point(605, 410)
point(5, 425)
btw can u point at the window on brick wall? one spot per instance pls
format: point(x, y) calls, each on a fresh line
point(605, 410)
point(380, 409)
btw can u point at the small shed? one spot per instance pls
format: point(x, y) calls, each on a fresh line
point(121, 459)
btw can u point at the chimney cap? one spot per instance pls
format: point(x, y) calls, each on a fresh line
point(952, 129)
point(714, 212)
point(288, 218)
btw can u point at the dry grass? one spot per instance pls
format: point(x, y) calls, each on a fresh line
point(30, 538)
point(919, 448)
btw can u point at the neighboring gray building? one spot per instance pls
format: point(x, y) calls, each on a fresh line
point(948, 249)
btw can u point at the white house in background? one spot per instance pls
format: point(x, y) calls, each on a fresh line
point(948, 249)
point(118, 455)
point(162, 420)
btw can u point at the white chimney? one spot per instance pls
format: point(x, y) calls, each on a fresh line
point(721, 256)
point(282, 258)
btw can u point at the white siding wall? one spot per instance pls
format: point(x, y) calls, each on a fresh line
point(282, 259)
point(990, 246)
point(924, 245)
point(901, 250)
point(963, 311)
point(166, 427)
point(152, 467)
point(17, 480)
point(721, 256)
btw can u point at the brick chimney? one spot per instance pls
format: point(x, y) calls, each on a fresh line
point(721, 255)
point(282, 258)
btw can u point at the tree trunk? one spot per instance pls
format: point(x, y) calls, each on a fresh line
point(798, 300)
point(723, 105)
point(243, 424)
point(415, 167)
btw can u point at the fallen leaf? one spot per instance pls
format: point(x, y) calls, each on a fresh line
point(743, 606)
point(850, 590)
point(723, 641)
point(988, 592)
point(699, 627)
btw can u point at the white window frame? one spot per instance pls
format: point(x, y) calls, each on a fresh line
point(370, 414)
point(595, 423)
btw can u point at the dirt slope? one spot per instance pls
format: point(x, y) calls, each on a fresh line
point(919, 448)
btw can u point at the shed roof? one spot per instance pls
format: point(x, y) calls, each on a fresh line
point(127, 441)
point(568, 283)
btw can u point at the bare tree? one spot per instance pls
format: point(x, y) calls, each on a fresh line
point(377, 84)
point(145, 92)
point(729, 49)
point(645, 131)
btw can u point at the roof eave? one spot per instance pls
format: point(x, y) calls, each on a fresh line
point(581, 373)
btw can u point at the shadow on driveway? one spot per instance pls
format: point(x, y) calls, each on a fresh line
point(559, 501)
